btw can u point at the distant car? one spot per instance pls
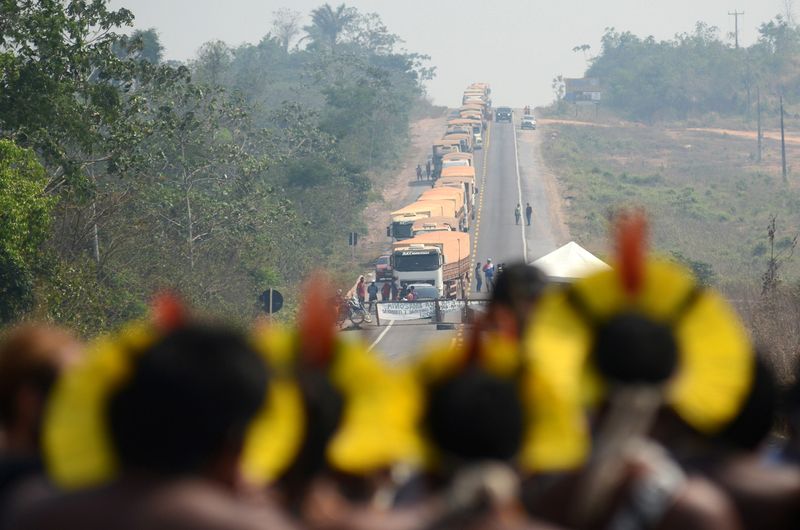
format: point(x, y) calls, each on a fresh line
point(383, 268)
point(478, 140)
point(528, 122)
point(424, 291)
point(502, 114)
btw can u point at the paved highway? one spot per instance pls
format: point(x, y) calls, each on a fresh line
point(507, 170)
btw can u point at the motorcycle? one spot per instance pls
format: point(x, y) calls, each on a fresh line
point(353, 310)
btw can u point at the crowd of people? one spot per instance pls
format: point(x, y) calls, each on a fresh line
point(631, 399)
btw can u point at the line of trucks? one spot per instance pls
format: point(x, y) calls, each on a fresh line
point(431, 243)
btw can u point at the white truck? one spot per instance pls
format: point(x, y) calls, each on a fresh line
point(437, 258)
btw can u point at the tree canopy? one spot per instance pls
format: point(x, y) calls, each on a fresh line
point(696, 73)
point(241, 170)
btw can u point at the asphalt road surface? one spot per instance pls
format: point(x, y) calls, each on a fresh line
point(507, 171)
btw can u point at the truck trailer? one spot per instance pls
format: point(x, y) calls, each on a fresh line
point(434, 224)
point(404, 218)
point(456, 198)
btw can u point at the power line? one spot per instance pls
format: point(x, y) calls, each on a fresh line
point(736, 15)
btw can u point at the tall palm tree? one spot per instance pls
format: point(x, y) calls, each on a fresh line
point(327, 23)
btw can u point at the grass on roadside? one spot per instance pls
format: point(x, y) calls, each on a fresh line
point(709, 201)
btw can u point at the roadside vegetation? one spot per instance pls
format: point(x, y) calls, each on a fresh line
point(243, 169)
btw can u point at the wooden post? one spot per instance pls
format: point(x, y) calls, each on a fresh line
point(270, 304)
point(783, 145)
point(760, 134)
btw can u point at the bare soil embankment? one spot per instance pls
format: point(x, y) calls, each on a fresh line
point(398, 188)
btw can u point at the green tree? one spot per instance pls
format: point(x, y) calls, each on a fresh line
point(697, 73)
point(328, 24)
point(285, 26)
point(143, 45)
point(212, 63)
point(61, 83)
point(25, 215)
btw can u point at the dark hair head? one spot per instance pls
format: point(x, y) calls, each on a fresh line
point(754, 421)
point(32, 356)
point(518, 287)
point(518, 283)
point(632, 349)
point(323, 405)
point(191, 396)
point(476, 416)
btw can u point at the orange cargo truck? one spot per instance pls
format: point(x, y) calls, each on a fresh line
point(455, 197)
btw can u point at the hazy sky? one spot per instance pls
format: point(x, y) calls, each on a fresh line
point(516, 45)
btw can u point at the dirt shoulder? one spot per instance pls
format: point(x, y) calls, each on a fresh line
point(738, 133)
point(532, 166)
point(399, 187)
point(751, 135)
point(556, 198)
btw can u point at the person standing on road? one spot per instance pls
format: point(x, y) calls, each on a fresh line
point(411, 295)
point(372, 290)
point(361, 290)
point(528, 212)
point(393, 289)
point(419, 172)
point(517, 213)
point(478, 277)
point(386, 291)
point(428, 169)
point(488, 273)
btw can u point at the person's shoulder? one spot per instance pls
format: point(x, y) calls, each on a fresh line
point(188, 504)
point(701, 505)
point(202, 506)
point(83, 509)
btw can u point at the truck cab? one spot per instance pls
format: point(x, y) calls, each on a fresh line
point(440, 259)
point(477, 140)
point(503, 114)
point(418, 263)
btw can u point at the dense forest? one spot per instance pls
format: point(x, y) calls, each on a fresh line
point(697, 73)
point(122, 173)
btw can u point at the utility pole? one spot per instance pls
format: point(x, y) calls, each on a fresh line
point(760, 134)
point(783, 145)
point(736, 15)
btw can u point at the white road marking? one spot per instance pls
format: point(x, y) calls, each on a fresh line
point(380, 336)
point(519, 194)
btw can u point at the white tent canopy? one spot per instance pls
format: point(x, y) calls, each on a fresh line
point(569, 263)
